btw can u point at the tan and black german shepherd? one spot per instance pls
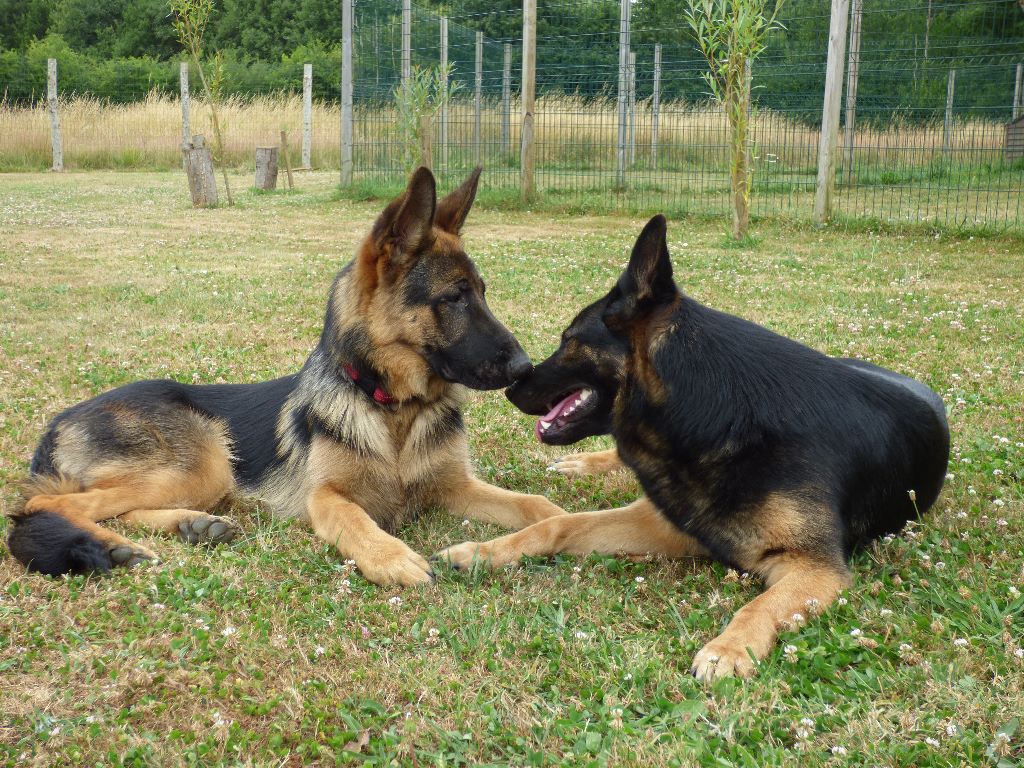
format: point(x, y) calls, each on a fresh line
point(752, 449)
point(366, 435)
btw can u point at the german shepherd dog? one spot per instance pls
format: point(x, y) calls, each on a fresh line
point(367, 434)
point(752, 449)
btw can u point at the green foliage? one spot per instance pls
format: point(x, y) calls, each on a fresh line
point(418, 100)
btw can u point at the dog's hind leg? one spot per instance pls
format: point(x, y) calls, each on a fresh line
point(582, 464)
point(473, 498)
point(638, 529)
point(798, 585)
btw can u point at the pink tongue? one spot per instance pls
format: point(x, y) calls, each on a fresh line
point(555, 412)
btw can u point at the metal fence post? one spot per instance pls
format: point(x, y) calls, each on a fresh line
point(620, 150)
point(830, 110)
point(947, 125)
point(444, 104)
point(1017, 95)
point(186, 131)
point(346, 92)
point(527, 152)
point(51, 106)
point(478, 95)
point(506, 101)
point(307, 115)
point(655, 105)
point(406, 40)
point(852, 75)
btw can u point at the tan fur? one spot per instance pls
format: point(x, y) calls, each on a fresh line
point(595, 463)
point(798, 587)
point(637, 529)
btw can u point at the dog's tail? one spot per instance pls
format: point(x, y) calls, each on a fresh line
point(48, 542)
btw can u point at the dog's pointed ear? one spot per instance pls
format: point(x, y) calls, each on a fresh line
point(405, 226)
point(647, 280)
point(453, 209)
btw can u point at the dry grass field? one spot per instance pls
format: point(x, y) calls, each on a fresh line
point(272, 652)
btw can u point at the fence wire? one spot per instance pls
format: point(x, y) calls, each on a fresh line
point(911, 156)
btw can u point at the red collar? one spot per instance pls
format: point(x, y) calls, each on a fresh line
point(368, 383)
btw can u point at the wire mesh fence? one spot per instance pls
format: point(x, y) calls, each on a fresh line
point(929, 136)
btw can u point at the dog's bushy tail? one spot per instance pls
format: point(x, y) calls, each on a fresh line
point(49, 543)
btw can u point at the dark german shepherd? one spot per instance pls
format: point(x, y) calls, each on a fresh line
point(367, 434)
point(752, 449)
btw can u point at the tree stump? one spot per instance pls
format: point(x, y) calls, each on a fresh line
point(202, 182)
point(266, 167)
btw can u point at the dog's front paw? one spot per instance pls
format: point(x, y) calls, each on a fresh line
point(583, 464)
point(722, 657)
point(462, 556)
point(394, 563)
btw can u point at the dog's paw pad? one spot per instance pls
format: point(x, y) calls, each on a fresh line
point(208, 529)
point(127, 556)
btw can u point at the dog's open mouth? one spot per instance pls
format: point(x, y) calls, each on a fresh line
point(573, 407)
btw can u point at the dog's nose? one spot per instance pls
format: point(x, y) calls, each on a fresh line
point(519, 366)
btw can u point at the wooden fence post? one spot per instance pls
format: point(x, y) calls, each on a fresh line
point(947, 125)
point(202, 180)
point(307, 115)
point(527, 150)
point(506, 102)
point(444, 104)
point(287, 159)
point(266, 168)
point(51, 106)
point(655, 105)
point(406, 40)
point(830, 110)
point(852, 76)
point(346, 92)
point(1018, 97)
point(631, 108)
point(620, 149)
point(478, 96)
point(186, 129)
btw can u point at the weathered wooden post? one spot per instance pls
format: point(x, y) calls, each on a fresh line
point(51, 107)
point(655, 105)
point(307, 115)
point(406, 40)
point(620, 150)
point(506, 102)
point(186, 130)
point(287, 159)
point(202, 182)
point(478, 96)
point(266, 168)
point(1018, 97)
point(443, 138)
point(830, 110)
point(852, 76)
point(527, 151)
point(631, 108)
point(346, 92)
point(947, 125)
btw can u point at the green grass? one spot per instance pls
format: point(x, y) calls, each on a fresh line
point(270, 652)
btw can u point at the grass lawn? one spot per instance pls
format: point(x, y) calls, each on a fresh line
point(270, 652)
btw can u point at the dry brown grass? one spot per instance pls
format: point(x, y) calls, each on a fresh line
point(572, 132)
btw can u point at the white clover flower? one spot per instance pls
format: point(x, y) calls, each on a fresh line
point(580, 634)
point(961, 642)
point(807, 722)
point(228, 631)
point(838, 750)
point(640, 579)
point(951, 729)
point(885, 613)
point(395, 600)
point(841, 601)
point(319, 651)
point(855, 632)
point(931, 742)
